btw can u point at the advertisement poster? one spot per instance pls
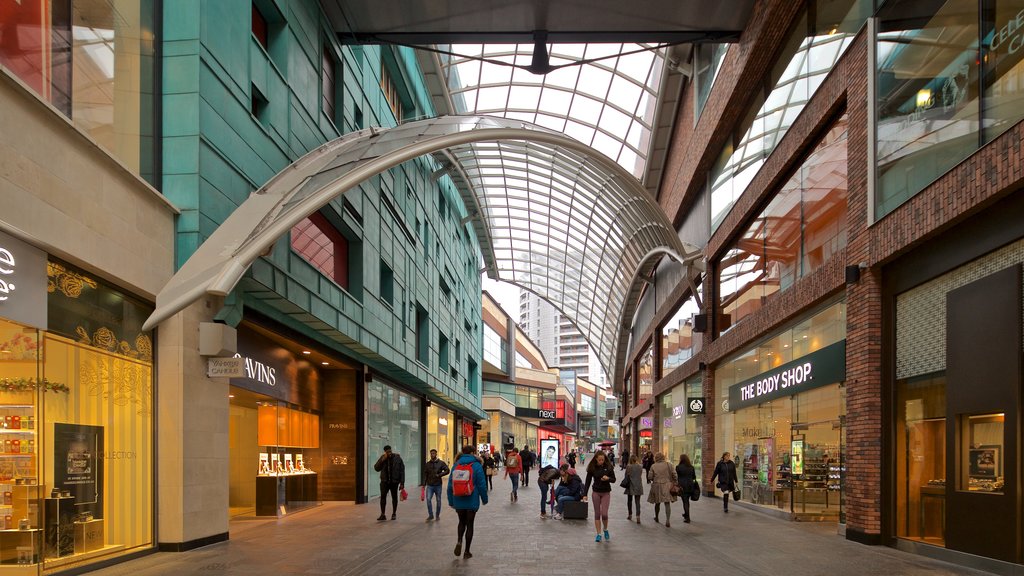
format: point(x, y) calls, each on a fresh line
point(289, 465)
point(264, 464)
point(797, 461)
point(549, 453)
point(299, 464)
point(484, 448)
point(275, 463)
point(77, 469)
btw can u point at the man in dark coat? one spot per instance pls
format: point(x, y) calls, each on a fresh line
point(529, 459)
point(392, 479)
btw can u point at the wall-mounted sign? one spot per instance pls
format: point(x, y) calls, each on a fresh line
point(819, 368)
point(22, 282)
point(225, 367)
point(543, 413)
point(695, 406)
point(646, 422)
point(276, 371)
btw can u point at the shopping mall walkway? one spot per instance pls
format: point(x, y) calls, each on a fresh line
point(511, 539)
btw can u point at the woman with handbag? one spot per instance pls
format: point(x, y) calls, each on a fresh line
point(663, 478)
point(725, 471)
point(602, 474)
point(687, 482)
point(634, 485)
point(489, 470)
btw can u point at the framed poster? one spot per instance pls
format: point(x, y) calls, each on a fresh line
point(984, 462)
point(77, 469)
point(264, 468)
point(797, 458)
point(549, 453)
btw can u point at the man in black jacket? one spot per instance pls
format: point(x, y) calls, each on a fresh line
point(529, 459)
point(433, 471)
point(392, 479)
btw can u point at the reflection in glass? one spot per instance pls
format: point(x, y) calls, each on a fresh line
point(645, 375)
point(921, 458)
point(677, 342)
point(982, 454)
point(708, 61)
point(393, 418)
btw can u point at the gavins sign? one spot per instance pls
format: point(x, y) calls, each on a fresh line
point(22, 282)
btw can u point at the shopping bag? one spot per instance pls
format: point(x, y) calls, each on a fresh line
point(735, 494)
point(404, 495)
point(423, 493)
point(695, 494)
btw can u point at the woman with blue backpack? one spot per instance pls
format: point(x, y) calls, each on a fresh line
point(467, 489)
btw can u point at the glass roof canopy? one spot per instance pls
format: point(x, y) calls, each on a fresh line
point(608, 104)
point(553, 216)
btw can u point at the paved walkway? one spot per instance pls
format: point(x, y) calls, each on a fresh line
point(511, 539)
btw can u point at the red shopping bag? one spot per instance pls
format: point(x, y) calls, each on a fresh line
point(404, 495)
point(423, 493)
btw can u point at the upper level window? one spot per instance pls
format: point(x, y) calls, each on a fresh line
point(327, 83)
point(707, 60)
point(323, 246)
point(645, 371)
point(259, 28)
point(390, 89)
point(677, 342)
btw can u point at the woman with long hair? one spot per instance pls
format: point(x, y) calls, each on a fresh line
point(489, 470)
point(602, 474)
point(635, 487)
point(662, 476)
point(467, 504)
point(725, 471)
point(687, 476)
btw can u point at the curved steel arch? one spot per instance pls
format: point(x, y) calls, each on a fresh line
point(589, 262)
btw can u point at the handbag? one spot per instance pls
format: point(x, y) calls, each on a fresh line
point(625, 482)
point(695, 493)
point(674, 489)
point(735, 494)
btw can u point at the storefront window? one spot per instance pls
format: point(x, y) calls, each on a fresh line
point(921, 459)
point(441, 433)
point(95, 64)
point(982, 453)
point(76, 402)
point(495, 349)
point(645, 371)
point(683, 430)
point(677, 342)
point(393, 419)
point(802, 227)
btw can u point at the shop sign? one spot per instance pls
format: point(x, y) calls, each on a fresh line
point(819, 368)
point(646, 422)
point(543, 413)
point(225, 367)
point(22, 282)
point(1009, 35)
point(695, 406)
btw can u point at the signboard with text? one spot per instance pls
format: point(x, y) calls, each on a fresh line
point(819, 368)
point(22, 282)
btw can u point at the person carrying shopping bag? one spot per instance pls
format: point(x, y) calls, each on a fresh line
point(725, 471)
point(663, 477)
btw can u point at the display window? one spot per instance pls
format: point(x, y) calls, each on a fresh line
point(76, 429)
point(921, 458)
point(393, 419)
point(441, 433)
point(680, 430)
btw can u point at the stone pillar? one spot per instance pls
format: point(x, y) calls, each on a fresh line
point(192, 437)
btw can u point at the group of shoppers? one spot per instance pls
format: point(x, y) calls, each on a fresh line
point(468, 490)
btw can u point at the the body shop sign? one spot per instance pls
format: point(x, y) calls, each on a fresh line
point(22, 282)
point(819, 368)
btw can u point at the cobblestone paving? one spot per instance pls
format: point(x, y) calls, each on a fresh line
point(511, 539)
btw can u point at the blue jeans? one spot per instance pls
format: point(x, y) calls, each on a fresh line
point(562, 495)
point(433, 491)
point(544, 489)
point(515, 483)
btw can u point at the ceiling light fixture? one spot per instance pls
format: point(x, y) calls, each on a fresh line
point(325, 363)
point(306, 352)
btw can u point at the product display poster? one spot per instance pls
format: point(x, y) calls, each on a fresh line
point(483, 448)
point(797, 462)
point(264, 463)
point(549, 453)
point(76, 452)
point(275, 463)
point(289, 465)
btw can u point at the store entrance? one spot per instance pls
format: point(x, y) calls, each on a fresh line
point(817, 469)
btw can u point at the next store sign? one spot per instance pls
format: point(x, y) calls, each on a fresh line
point(819, 368)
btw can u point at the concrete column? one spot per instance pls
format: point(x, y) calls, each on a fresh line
point(192, 437)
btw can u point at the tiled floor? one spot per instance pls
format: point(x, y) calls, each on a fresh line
point(511, 539)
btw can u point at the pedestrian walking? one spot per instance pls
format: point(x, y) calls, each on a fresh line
point(433, 471)
point(583, 458)
point(602, 473)
point(489, 469)
point(546, 476)
point(571, 458)
point(529, 461)
point(725, 471)
point(392, 479)
point(634, 486)
point(624, 459)
point(687, 478)
point(513, 467)
point(662, 477)
point(467, 490)
point(570, 488)
point(648, 461)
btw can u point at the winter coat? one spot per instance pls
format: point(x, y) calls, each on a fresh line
point(513, 464)
point(529, 459)
point(725, 471)
point(687, 477)
point(635, 472)
point(647, 461)
point(488, 465)
point(603, 486)
point(547, 475)
point(434, 470)
point(392, 470)
point(471, 502)
point(624, 459)
point(574, 483)
point(663, 476)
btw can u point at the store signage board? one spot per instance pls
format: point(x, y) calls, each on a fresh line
point(225, 367)
point(22, 282)
point(819, 368)
point(695, 406)
point(542, 414)
point(646, 422)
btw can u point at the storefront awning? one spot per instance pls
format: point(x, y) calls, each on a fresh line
point(553, 216)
